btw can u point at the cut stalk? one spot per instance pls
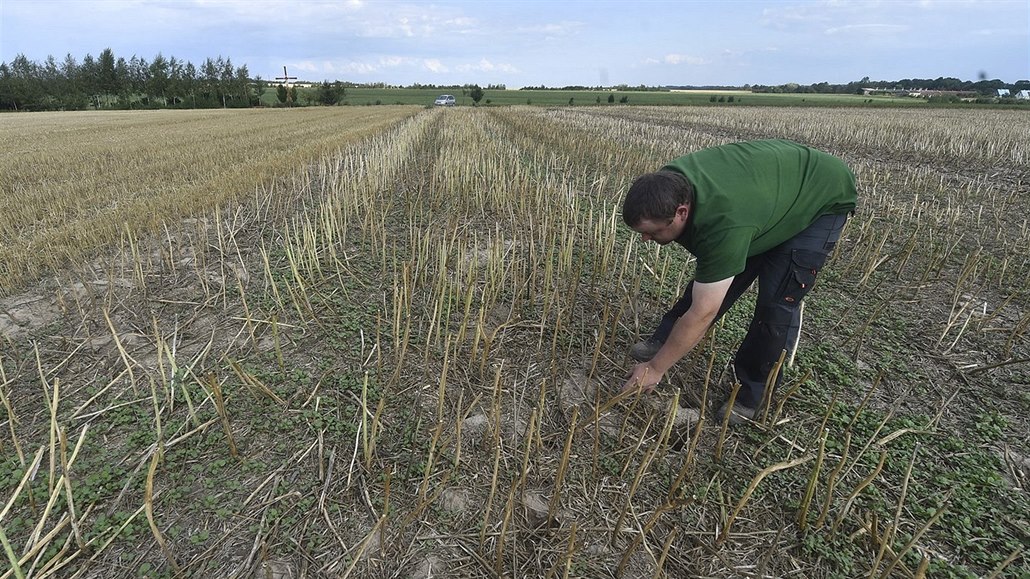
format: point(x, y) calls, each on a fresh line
point(725, 533)
point(223, 414)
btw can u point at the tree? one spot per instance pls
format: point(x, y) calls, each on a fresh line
point(8, 88)
point(189, 82)
point(107, 76)
point(25, 87)
point(209, 82)
point(476, 93)
point(98, 82)
point(88, 79)
point(176, 81)
point(158, 77)
point(139, 76)
point(73, 97)
point(241, 86)
point(330, 94)
point(225, 81)
point(260, 86)
point(281, 93)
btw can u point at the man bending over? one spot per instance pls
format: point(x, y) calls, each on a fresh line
point(770, 210)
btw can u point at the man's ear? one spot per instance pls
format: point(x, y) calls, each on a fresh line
point(683, 210)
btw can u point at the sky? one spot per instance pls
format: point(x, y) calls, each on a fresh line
point(553, 43)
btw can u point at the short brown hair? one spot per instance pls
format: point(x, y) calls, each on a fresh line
point(656, 196)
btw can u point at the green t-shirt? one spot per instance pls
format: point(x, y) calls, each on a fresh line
point(752, 196)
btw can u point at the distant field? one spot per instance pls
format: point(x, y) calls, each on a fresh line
point(74, 181)
point(425, 97)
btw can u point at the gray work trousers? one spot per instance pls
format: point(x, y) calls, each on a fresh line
point(785, 275)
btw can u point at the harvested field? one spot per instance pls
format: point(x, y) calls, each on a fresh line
point(396, 354)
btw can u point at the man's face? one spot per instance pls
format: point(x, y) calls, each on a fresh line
point(663, 231)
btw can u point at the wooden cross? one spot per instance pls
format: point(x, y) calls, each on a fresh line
point(285, 78)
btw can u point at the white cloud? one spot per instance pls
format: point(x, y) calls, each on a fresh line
point(305, 66)
point(366, 67)
point(870, 29)
point(411, 21)
point(552, 31)
point(485, 65)
point(683, 59)
point(782, 17)
point(359, 68)
point(391, 61)
point(434, 65)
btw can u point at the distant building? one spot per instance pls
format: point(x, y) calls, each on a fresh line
point(1003, 92)
point(1023, 95)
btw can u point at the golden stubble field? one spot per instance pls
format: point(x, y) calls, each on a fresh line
point(385, 342)
point(74, 183)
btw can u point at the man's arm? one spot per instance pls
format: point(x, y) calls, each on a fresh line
point(706, 299)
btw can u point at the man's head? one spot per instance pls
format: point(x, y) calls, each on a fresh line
point(658, 205)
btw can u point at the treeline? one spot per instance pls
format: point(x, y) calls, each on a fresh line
point(109, 82)
point(618, 87)
point(464, 88)
point(947, 84)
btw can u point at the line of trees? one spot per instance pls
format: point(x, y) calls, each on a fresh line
point(950, 84)
point(983, 86)
point(110, 82)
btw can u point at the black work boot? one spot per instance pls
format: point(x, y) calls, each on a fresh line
point(740, 414)
point(644, 351)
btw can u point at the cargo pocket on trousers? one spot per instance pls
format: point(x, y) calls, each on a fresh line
point(804, 267)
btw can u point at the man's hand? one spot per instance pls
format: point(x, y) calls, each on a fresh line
point(643, 376)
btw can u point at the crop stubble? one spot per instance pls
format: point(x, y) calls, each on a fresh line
point(402, 357)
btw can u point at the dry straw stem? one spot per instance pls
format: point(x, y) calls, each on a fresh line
point(858, 490)
point(645, 462)
point(26, 477)
point(724, 534)
point(813, 479)
point(645, 530)
point(831, 483)
point(11, 557)
point(51, 403)
point(717, 453)
point(223, 414)
point(686, 469)
point(495, 439)
point(770, 384)
point(36, 542)
point(915, 537)
point(12, 420)
point(256, 387)
point(69, 496)
point(148, 503)
point(1004, 564)
point(563, 465)
point(126, 359)
point(893, 527)
point(565, 560)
